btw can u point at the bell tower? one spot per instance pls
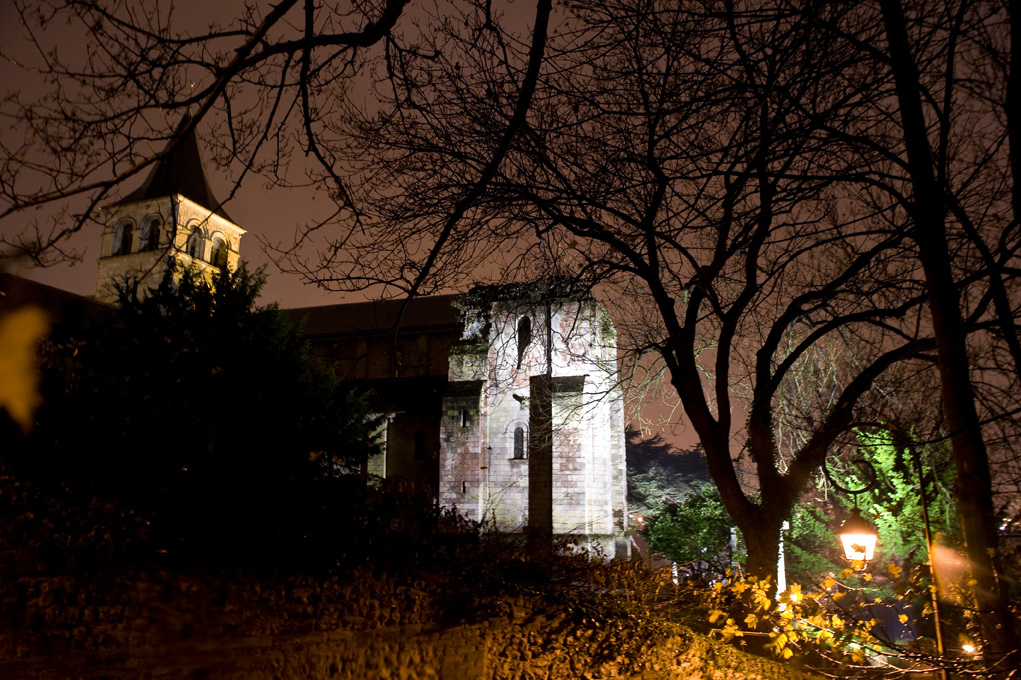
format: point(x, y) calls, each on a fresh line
point(172, 216)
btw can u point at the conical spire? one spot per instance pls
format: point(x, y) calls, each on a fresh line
point(181, 172)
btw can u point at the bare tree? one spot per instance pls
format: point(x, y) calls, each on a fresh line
point(736, 172)
point(679, 158)
point(943, 166)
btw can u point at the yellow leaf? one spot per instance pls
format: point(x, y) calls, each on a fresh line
point(847, 573)
point(867, 577)
point(751, 620)
point(20, 331)
point(837, 596)
point(787, 653)
point(714, 615)
point(894, 570)
point(903, 618)
point(828, 583)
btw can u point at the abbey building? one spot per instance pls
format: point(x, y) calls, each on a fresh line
point(503, 401)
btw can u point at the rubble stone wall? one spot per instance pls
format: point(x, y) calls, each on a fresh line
point(160, 627)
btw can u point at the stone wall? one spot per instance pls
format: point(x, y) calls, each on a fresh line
point(158, 626)
point(482, 472)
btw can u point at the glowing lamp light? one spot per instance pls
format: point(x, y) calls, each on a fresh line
point(859, 538)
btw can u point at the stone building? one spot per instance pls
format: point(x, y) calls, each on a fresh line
point(458, 382)
point(503, 401)
point(173, 215)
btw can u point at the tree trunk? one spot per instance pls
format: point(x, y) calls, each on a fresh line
point(974, 488)
point(762, 539)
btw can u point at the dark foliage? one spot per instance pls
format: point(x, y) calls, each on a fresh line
point(205, 416)
point(676, 506)
point(658, 473)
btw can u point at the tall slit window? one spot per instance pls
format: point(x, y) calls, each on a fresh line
point(519, 443)
point(524, 337)
point(195, 245)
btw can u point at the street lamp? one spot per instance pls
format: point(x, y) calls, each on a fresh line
point(858, 535)
point(859, 538)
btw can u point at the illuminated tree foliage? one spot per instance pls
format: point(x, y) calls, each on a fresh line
point(893, 505)
point(695, 533)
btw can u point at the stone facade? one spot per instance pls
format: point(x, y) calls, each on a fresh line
point(485, 430)
point(456, 380)
point(172, 217)
point(141, 238)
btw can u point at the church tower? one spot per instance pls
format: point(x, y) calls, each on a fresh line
point(172, 216)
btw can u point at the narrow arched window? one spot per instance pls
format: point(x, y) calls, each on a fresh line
point(524, 337)
point(150, 235)
point(195, 244)
point(122, 239)
point(218, 258)
point(519, 443)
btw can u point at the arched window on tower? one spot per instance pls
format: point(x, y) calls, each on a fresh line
point(122, 239)
point(150, 235)
point(524, 337)
point(218, 257)
point(195, 244)
point(519, 443)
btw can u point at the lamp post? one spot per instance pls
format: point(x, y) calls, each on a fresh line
point(904, 440)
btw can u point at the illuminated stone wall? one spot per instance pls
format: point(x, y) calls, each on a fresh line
point(483, 469)
point(177, 219)
point(162, 627)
